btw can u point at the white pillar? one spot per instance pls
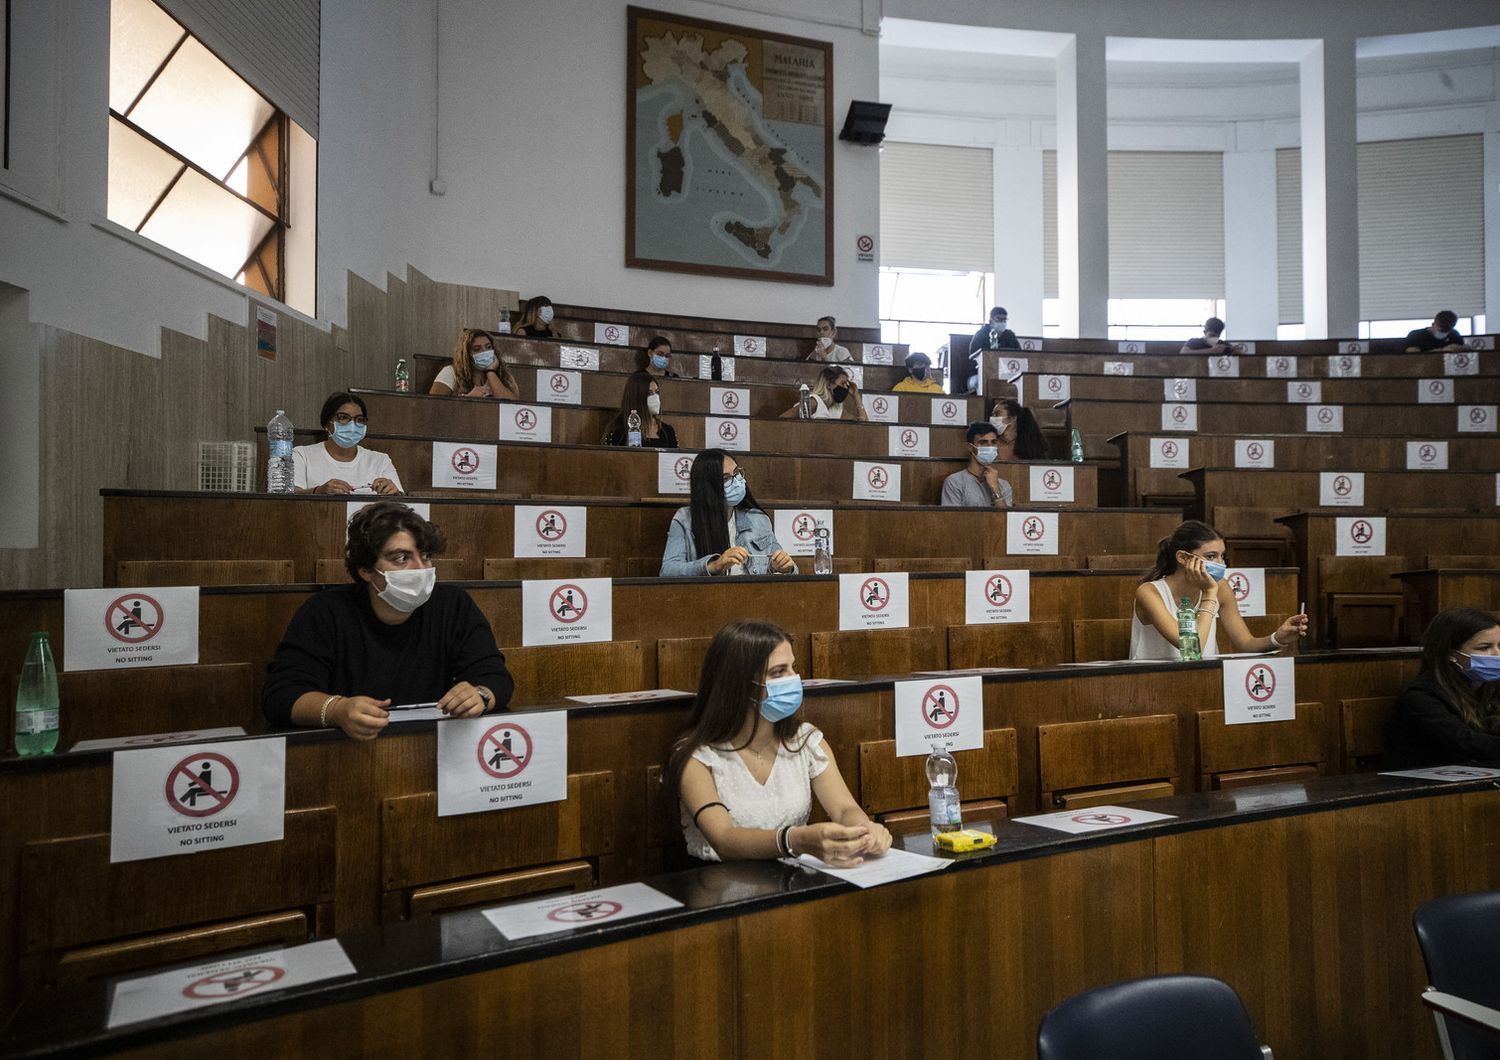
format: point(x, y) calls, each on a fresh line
point(1330, 191)
point(1083, 188)
point(1250, 281)
point(1018, 237)
point(1492, 231)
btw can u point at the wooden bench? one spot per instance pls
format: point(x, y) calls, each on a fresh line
point(1364, 722)
point(1105, 762)
point(141, 573)
point(894, 790)
point(1236, 756)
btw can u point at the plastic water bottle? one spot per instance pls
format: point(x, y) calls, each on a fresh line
point(633, 428)
point(716, 366)
point(36, 701)
point(1077, 447)
point(822, 551)
point(279, 454)
point(942, 797)
point(1187, 632)
point(804, 402)
point(403, 377)
point(502, 326)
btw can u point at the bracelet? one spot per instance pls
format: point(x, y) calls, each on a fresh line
point(1207, 611)
point(789, 851)
point(323, 711)
point(704, 807)
point(781, 844)
point(1273, 640)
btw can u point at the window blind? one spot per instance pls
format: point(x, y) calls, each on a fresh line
point(937, 207)
point(1166, 224)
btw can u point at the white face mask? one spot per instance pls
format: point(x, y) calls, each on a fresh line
point(653, 404)
point(824, 342)
point(407, 590)
point(545, 314)
point(999, 423)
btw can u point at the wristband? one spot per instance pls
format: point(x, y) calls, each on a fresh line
point(1273, 640)
point(323, 711)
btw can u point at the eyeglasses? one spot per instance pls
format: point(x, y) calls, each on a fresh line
point(343, 419)
point(737, 476)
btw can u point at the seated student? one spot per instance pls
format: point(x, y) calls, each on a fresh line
point(339, 464)
point(745, 769)
point(1190, 563)
point(826, 348)
point(536, 319)
point(1020, 435)
point(1212, 340)
point(979, 485)
point(918, 378)
point(643, 397)
point(834, 397)
point(392, 636)
point(656, 359)
point(722, 525)
point(475, 371)
point(1450, 713)
point(1439, 336)
point(992, 336)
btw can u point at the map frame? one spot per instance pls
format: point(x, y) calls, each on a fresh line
point(633, 58)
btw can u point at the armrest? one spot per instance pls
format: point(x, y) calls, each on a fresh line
point(1470, 1012)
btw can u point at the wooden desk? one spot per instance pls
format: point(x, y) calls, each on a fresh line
point(1066, 357)
point(1463, 390)
point(780, 328)
point(699, 338)
point(1429, 592)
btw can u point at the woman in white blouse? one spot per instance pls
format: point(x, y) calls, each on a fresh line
point(746, 769)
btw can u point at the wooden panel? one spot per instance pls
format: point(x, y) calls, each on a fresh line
point(663, 813)
point(570, 876)
point(1457, 562)
point(1110, 796)
point(1025, 644)
point(867, 653)
point(1139, 561)
point(914, 820)
point(1481, 813)
point(1252, 778)
point(540, 568)
point(1101, 638)
point(1364, 722)
point(204, 572)
point(333, 571)
point(679, 660)
point(1364, 620)
point(100, 704)
point(1062, 561)
point(1225, 748)
point(920, 564)
point(889, 783)
point(1109, 751)
point(417, 847)
point(103, 901)
point(282, 929)
point(546, 672)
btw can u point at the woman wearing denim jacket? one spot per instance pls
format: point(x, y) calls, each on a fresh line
point(700, 542)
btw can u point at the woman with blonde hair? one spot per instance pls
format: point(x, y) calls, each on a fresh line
point(834, 397)
point(536, 318)
point(476, 370)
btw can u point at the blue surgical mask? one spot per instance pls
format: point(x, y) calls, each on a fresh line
point(1482, 668)
point(783, 697)
point(544, 314)
point(484, 358)
point(1216, 571)
point(348, 435)
point(734, 491)
point(658, 361)
point(987, 454)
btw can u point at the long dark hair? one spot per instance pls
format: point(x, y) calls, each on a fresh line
point(1029, 443)
point(729, 686)
point(706, 503)
point(1446, 633)
point(1185, 538)
point(633, 399)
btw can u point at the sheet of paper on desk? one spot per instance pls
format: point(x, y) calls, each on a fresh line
point(895, 864)
point(824, 682)
point(971, 670)
point(1093, 819)
point(646, 696)
point(417, 712)
point(157, 739)
point(1448, 774)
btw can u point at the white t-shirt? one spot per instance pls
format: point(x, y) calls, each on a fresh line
point(784, 799)
point(448, 378)
point(312, 466)
point(822, 411)
point(1146, 642)
point(834, 354)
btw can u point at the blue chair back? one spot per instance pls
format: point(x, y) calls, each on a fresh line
point(1460, 939)
point(1165, 1017)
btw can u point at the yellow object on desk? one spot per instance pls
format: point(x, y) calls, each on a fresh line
point(963, 840)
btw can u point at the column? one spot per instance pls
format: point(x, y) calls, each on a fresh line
point(1018, 237)
point(1250, 267)
point(1083, 187)
point(1330, 191)
point(1492, 231)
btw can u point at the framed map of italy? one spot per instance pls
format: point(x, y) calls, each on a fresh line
point(729, 150)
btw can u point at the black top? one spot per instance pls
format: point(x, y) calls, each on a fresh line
point(536, 331)
point(1423, 339)
point(666, 437)
point(336, 644)
point(1427, 731)
point(1202, 343)
point(1000, 339)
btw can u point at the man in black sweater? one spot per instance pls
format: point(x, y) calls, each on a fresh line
point(393, 636)
point(1439, 336)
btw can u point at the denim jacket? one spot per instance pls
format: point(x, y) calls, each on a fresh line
point(752, 532)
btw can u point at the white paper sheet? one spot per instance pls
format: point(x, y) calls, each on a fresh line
point(895, 864)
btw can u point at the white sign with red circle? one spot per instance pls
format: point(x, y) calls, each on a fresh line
point(1030, 345)
point(498, 762)
point(797, 529)
point(1179, 390)
point(882, 408)
point(551, 530)
point(1031, 533)
point(1093, 819)
point(1010, 367)
point(1130, 347)
point(147, 997)
point(877, 353)
point(1305, 392)
point(105, 629)
point(950, 412)
point(1354, 346)
point(1461, 363)
point(1476, 419)
point(1341, 489)
point(1179, 417)
point(674, 473)
point(1359, 535)
point(749, 345)
point(1259, 690)
point(1119, 368)
point(578, 358)
point(1434, 391)
point(1249, 587)
point(567, 611)
point(1224, 366)
point(1481, 342)
point(557, 386)
point(1345, 366)
point(945, 714)
point(729, 401)
point(910, 442)
point(1169, 452)
point(185, 799)
point(1282, 366)
point(873, 601)
point(1054, 388)
point(611, 334)
point(1257, 453)
point(1427, 456)
point(1051, 485)
point(706, 367)
point(525, 423)
point(865, 245)
point(877, 482)
point(578, 911)
point(157, 739)
point(463, 465)
point(1454, 774)
point(1325, 419)
point(992, 596)
point(726, 432)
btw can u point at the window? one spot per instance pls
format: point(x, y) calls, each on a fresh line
point(4, 84)
point(199, 161)
point(923, 307)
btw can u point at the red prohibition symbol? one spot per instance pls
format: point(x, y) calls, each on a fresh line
point(1179, 414)
point(1361, 531)
point(504, 750)
point(568, 603)
point(1428, 453)
point(560, 383)
point(551, 525)
point(1255, 450)
point(1325, 415)
point(940, 706)
point(804, 527)
point(232, 984)
point(875, 594)
point(1478, 414)
point(880, 406)
point(908, 439)
point(876, 477)
point(1239, 585)
point(1169, 450)
point(1033, 529)
point(1342, 485)
point(525, 419)
point(728, 431)
point(950, 410)
point(1051, 478)
point(465, 461)
point(584, 912)
point(185, 788)
point(998, 590)
point(1260, 683)
point(1100, 818)
point(134, 619)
